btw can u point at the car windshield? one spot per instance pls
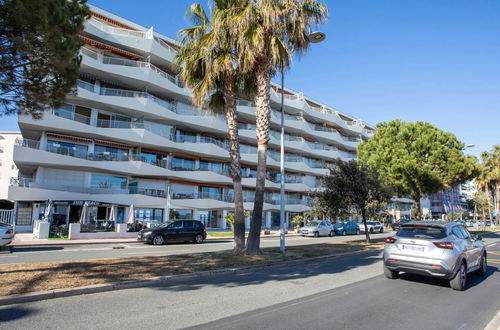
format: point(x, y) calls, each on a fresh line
point(421, 231)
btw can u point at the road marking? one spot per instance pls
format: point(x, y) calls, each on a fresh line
point(494, 252)
point(496, 261)
point(13, 263)
point(491, 244)
point(462, 326)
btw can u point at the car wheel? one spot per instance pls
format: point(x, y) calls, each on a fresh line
point(482, 270)
point(371, 230)
point(316, 234)
point(198, 239)
point(344, 233)
point(159, 240)
point(357, 232)
point(332, 233)
point(390, 274)
point(459, 281)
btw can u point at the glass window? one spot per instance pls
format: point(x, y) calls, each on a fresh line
point(108, 181)
point(176, 225)
point(188, 224)
point(67, 148)
point(183, 136)
point(182, 164)
point(111, 153)
point(465, 232)
point(182, 214)
point(457, 232)
point(421, 231)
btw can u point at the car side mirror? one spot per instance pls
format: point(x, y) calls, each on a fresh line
point(478, 237)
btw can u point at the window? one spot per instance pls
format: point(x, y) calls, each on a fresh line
point(108, 181)
point(67, 148)
point(182, 164)
point(176, 225)
point(465, 232)
point(421, 231)
point(457, 232)
point(188, 224)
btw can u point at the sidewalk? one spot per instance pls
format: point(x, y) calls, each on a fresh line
point(27, 239)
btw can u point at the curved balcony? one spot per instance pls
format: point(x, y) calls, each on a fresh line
point(133, 72)
point(137, 41)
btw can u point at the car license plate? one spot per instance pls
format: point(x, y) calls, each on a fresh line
point(412, 248)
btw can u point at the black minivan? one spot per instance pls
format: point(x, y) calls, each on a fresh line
point(179, 230)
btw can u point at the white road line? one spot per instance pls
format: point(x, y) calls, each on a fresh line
point(13, 263)
point(8, 257)
point(491, 244)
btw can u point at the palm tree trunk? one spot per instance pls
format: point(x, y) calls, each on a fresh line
point(497, 202)
point(263, 119)
point(234, 154)
point(367, 235)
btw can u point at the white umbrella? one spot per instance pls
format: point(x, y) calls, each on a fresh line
point(48, 208)
point(112, 214)
point(168, 204)
point(83, 215)
point(130, 219)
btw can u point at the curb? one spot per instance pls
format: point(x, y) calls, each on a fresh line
point(76, 242)
point(156, 281)
point(494, 323)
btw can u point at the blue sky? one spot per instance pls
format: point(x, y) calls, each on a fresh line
point(427, 60)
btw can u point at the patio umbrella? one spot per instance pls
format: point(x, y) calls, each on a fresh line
point(112, 214)
point(47, 213)
point(130, 219)
point(83, 215)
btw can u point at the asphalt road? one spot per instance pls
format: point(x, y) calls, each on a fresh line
point(342, 293)
point(22, 255)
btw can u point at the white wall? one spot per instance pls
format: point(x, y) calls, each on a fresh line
point(8, 168)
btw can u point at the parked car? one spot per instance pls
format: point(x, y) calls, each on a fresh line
point(344, 228)
point(445, 250)
point(395, 225)
point(6, 234)
point(179, 230)
point(372, 226)
point(316, 229)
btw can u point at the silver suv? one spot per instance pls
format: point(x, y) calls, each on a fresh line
point(438, 249)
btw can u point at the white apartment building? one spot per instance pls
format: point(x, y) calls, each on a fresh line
point(8, 168)
point(130, 136)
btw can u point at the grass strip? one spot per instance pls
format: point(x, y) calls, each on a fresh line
point(46, 276)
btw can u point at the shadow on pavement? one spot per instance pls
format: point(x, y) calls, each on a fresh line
point(14, 313)
point(472, 278)
point(286, 273)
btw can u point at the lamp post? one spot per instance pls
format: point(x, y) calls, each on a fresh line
point(453, 193)
point(314, 37)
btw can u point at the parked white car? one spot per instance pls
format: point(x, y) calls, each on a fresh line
point(316, 229)
point(6, 234)
point(372, 226)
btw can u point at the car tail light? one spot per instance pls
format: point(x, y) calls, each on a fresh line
point(444, 245)
point(9, 231)
point(390, 240)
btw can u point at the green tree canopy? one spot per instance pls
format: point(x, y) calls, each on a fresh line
point(39, 59)
point(353, 187)
point(417, 159)
point(489, 178)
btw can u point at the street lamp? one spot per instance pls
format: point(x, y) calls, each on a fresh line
point(453, 205)
point(314, 38)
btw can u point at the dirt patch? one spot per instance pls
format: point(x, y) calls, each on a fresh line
point(57, 275)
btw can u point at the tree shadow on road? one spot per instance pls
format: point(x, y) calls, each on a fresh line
point(15, 313)
point(292, 273)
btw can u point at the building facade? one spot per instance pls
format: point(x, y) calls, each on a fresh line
point(129, 140)
point(8, 168)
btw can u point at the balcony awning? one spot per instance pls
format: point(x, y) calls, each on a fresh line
point(115, 50)
point(112, 144)
point(68, 137)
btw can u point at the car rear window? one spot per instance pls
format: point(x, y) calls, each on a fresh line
point(420, 231)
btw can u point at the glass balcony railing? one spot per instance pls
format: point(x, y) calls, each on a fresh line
point(169, 105)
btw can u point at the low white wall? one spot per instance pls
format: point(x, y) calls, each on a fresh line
point(41, 229)
point(74, 233)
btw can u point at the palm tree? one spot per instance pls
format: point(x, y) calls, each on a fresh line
point(271, 31)
point(489, 178)
point(209, 68)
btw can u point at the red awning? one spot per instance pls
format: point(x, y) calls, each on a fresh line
point(112, 144)
point(68, 137)
point(115, 50)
